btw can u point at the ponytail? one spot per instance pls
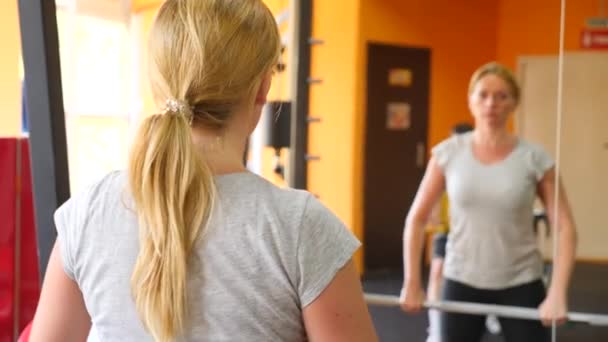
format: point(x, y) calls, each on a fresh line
point(207, 57)
point(173, 191)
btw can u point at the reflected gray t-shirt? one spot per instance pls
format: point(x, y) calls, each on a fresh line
point(268, 252)
point(491, 244)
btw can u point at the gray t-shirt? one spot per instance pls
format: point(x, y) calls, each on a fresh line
point(491, 244)
point(268, 253)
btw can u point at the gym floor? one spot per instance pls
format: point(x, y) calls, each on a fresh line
point(588, 293)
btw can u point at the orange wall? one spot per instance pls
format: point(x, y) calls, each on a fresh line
point(460, 37)
point(453, 33)
point(10, 82)
point(535, 30)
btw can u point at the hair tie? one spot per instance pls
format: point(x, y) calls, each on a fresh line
point(179, 107)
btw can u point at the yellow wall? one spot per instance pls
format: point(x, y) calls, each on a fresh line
point(138, 6)
point(281, 83)
point(279, 91)
point(334, 101)
point(143, 20)
point(10, 82)
point(143, 12)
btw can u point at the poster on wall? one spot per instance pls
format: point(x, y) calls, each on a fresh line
point(400, 77)
point(398, 116)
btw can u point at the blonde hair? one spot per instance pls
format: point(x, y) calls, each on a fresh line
point(207, 57)
point(499, 70)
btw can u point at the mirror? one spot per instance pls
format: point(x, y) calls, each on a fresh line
point(514, 33)
point(579, 145)
point(387, 81)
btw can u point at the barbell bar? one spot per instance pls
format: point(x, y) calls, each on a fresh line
point(488, 309)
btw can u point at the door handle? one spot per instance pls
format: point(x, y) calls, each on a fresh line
point(420, 154)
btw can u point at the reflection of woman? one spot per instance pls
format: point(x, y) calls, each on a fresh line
point(439, 226)
point(491, 178)
point(187, 245)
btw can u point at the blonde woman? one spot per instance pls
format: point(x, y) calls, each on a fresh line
point(186, 245)
point(492, 178)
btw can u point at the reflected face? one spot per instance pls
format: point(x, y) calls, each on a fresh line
point(491, 101)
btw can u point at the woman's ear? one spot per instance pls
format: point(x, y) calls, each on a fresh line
point(260, 101)
point(262, 93)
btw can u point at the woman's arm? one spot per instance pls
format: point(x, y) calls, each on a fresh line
point(340, 313)
point(555, 306)
point(61, 314)
point(429, 193)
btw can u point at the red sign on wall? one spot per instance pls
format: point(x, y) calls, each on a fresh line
point(594, 38)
